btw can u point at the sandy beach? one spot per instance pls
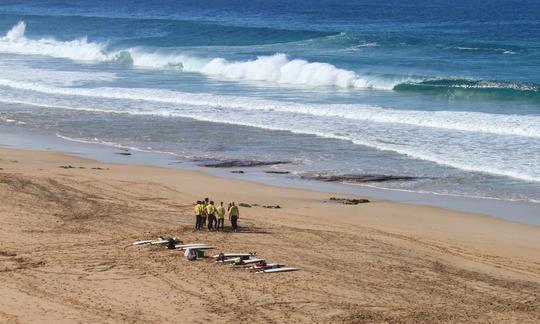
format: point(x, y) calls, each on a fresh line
point(65, 254)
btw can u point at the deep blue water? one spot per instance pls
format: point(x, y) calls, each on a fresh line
point(449, 91)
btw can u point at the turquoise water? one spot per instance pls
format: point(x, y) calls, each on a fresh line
point(447, 92)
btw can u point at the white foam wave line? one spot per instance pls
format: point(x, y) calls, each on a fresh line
point(380, 146)
point(113, 144)
point(512, 125)
point(445, 193)
point(277, 68)
point(78, 49)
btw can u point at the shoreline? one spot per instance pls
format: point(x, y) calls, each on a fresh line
point(520, 211)
point(77, 263)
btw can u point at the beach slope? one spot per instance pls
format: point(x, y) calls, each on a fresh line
point(67, 225)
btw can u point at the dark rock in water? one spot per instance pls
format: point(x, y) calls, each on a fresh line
point(237, 171)
point(348, 201)
point(358, 178)
point(123, 153)
point(272, 207)
point(277, 172)
point(240, 164)
point(244, 205)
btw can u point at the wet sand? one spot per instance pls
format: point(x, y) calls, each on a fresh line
point(65, 253)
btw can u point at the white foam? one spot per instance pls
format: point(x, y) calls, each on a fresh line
point(277, 68)
point(510, 125)
point(78, 49)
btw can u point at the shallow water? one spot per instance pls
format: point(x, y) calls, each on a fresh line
point(448, 93)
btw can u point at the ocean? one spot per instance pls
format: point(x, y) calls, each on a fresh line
point(447, 93)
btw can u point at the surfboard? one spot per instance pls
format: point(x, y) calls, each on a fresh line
point(181, 246)
point(158, 242)
point(267, 267)
point(249, 261)
point(285, 269)
point(197, 247)
point(142, 242)
point(232, 255)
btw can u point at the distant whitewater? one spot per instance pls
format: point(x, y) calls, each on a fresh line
point(277, 68)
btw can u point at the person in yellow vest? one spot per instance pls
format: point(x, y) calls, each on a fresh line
point(198, 215)
point(211, 213)
point(234, 214)
point(220, 211)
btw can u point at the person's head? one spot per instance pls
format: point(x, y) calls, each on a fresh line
point(211, 202)
point(198, 202)
point(221, 203)
point(232, 204)
point(206, 199)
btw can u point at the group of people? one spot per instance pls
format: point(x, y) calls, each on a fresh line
point(212, 217)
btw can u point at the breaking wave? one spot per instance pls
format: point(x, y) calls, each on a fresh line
point(278, 68)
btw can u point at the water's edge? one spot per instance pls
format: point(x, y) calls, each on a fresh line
point(523, 212)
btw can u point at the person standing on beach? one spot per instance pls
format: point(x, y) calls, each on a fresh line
point(198, 215)
point(211, 212)
point(220, 211)
point(204, 215)
point(234, 214)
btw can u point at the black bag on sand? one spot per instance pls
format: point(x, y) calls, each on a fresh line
point(171, 244)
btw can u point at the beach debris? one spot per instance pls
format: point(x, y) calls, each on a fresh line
point(237, 171)
point(69, 166)
point(349, 201)
point(272, 207)
point(244, 205)
point(357, 178)
point(240, 163)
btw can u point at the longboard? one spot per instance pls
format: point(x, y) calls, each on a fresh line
point(197, 247)
point(286, 269)
point(181, 246)
point(248, 261)
point(232, 255)
point(268, 266)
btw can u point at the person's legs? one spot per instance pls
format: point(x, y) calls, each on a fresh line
point(220, 223)
point(197, 222)
point(204, 221)
point(234, 223)
point(210, 222)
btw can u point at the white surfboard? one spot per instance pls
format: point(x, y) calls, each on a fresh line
point(197, 247)
point(142, 242)
point(181, 246)
point(285, 269)
point(267, 267)
point(249, 261)
point(233, 255)
point(159, 242)
point(152, 242)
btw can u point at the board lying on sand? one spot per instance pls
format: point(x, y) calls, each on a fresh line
point(233, 255)
point(249, 261)
point(266, 267)
point(142, 242)
point(197, 247)
point(183, 246)
point(159, 240)
point(286, 269)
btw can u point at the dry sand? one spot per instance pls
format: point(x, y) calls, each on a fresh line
point(65, 254)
